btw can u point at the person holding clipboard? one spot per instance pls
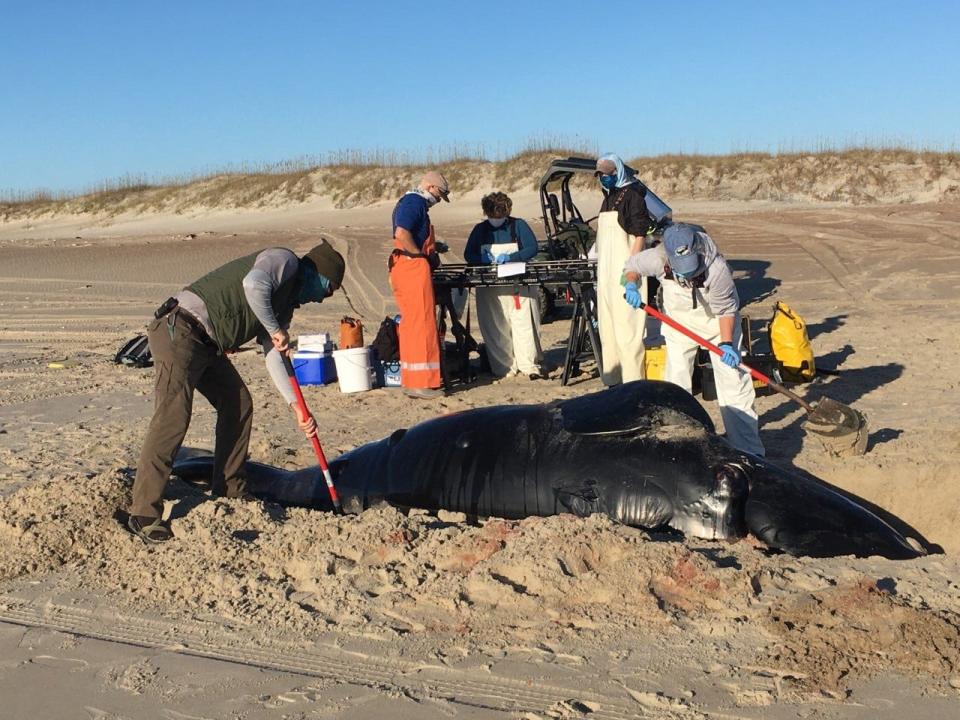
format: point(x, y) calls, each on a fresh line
point(509, 317)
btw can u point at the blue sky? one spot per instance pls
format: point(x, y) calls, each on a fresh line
point(95, 90)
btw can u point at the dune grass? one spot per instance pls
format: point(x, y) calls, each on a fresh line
point(361, 177)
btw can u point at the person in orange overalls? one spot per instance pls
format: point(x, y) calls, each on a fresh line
point(413, 257)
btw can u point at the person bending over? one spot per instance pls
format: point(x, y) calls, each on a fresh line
point(699, 293)
point(190, 336)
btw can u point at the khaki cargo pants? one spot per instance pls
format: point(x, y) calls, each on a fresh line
point(186, 361)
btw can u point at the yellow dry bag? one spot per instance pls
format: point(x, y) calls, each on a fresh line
point(790, 344)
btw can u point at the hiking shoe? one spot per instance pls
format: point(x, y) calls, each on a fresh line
point(148, 529)
point(424, 393)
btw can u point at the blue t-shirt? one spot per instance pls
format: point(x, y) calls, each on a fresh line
point(411, 214)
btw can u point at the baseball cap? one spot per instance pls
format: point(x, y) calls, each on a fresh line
point(681, 245)
point(435, 178)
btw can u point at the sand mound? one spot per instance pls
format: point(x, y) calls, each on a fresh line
point(859, 628)
point(436, 580)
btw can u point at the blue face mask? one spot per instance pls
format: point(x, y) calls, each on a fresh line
point(314, 287)
point(608, 181)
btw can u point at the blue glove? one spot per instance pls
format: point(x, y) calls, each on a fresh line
point(502, 258)
point(633, 295)
point(730, 355)
point(486, 257)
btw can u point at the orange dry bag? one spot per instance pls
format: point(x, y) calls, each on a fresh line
point(351, 333)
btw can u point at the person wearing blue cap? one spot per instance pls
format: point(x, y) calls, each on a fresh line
point(699, 293)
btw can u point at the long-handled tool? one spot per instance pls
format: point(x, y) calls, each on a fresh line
point(321, 458)
point(842, 427)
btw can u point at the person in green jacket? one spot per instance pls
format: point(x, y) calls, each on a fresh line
point(190, 336)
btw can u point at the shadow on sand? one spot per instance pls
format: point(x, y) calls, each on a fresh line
point(846, 387)
point(753, 283)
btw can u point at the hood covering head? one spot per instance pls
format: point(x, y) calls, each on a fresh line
point(326, 261)
point(624, 176)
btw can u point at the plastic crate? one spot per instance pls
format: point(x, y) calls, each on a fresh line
point(655, 362)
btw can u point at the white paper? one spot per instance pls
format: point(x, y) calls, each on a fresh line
point(500, 248)
point(510, 269)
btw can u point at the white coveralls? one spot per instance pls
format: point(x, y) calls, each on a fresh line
point(622, 329)
point(509, 320)
point(735, 392)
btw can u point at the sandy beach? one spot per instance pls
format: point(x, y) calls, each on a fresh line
point(255, 611)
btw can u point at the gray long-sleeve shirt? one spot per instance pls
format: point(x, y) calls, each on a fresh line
point(272, 268)
point(718, 290)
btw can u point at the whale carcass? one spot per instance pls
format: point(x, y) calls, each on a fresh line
point(644, 453)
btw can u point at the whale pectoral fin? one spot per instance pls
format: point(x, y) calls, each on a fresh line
point(580, 496)
point(582, 503)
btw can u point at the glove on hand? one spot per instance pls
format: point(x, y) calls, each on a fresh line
point(633, 295)
point(730, 355)
point(486, 257)
point(502, 258)
point(434, 260)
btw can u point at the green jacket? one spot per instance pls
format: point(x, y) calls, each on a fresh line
point(231, 316)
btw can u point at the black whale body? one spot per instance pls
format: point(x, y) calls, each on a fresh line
point(644, 453)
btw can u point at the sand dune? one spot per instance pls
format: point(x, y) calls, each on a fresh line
point(865, 176)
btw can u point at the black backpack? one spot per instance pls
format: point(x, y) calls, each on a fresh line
point(387, 344)
point(135, 353)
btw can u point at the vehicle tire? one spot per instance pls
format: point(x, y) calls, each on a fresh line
point(546, 304)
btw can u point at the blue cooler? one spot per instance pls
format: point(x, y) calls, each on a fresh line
point(313, 368)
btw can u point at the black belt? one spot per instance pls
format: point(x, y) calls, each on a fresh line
point(397, 252)
point(197, 326)
point(173, 304)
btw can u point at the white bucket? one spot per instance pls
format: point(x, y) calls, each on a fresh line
point(353, 369)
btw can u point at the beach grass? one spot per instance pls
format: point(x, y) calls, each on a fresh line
point(351, 178)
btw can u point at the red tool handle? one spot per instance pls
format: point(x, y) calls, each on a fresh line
point(321, 458)
point(717, 351)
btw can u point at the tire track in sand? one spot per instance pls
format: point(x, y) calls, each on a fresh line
point(414, 679)
point(363, 292)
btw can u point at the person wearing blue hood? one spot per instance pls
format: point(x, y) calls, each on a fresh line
point(622, 227)
point(192, 334)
